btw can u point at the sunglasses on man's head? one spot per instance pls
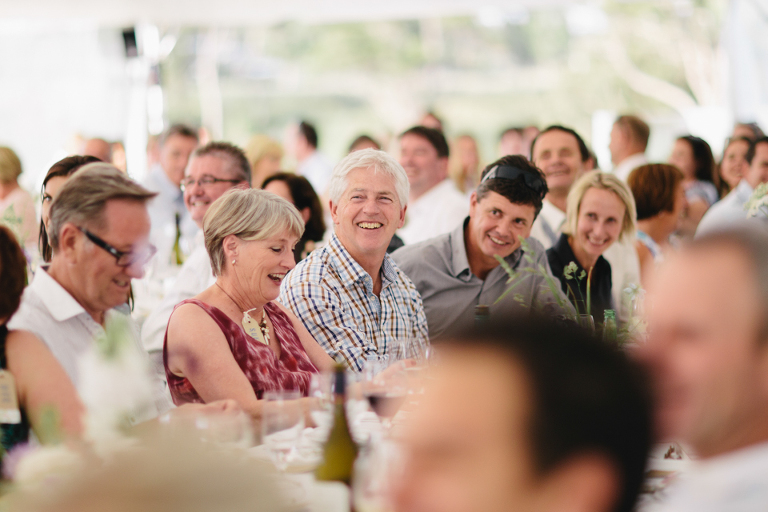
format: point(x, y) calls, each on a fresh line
point(532, 180)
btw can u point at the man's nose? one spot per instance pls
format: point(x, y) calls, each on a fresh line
point(135, 270)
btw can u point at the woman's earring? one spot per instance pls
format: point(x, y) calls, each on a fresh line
point(233, 262)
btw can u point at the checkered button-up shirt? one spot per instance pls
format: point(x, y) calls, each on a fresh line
point(333, 296)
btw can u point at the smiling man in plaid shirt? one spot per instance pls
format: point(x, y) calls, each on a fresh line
point(350, 294)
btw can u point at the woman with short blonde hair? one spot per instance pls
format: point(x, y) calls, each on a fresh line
point(265, 156)
point(233, 340)
point(600, 210)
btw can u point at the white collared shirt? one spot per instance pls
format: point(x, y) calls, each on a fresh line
point(728, 211)
point(195, 276)
point(317, 169)
point(436, 212)
point(736, 482)
point(629, 164)
point(162, 213)
point(548, 225)
point(49, 312)
point(625, 265)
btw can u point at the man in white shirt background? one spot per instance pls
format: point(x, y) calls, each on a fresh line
point(311, 164)
point(166, 211)
point(629, 140)
point(730, 209)
point(708, 353)
point(563, 157)
point(213, 170)
point(435, 205)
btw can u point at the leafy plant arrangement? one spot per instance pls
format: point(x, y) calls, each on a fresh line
point(569, 274)
point(758, 201)
point(514, 280)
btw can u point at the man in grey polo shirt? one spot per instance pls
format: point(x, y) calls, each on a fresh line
point(457, 271)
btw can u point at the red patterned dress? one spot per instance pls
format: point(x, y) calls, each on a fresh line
point(266, 372)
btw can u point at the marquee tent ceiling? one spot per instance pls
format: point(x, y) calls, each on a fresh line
point(252, 12)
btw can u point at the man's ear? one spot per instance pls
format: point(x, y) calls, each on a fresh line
point(69, 237)
point(333, 209)
point(585, 483)
point(402, 217)
point(443, 166)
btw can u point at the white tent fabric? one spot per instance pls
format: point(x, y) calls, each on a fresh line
point(255, 12)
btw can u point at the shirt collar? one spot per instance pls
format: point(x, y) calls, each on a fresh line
point(56, 299)
point(165, 184)
point(459, 261)
point(554, 216)
point(350, 271)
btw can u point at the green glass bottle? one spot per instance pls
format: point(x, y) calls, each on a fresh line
point(177, 257)
point(340, 450)
point(609, 326)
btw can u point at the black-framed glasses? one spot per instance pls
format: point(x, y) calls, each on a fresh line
point(124, 259)
point(532, 180)
point(204, 181)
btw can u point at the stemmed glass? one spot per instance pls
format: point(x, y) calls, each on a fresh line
point(282, 423)
point(384, 390)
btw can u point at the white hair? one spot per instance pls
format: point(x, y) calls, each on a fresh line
point(374, 159)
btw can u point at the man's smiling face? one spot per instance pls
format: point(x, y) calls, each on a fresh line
point(197, 197)
point(496, 224)
point(557, 154)
point(368, 213)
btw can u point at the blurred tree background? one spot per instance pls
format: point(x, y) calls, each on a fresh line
point(480, 74)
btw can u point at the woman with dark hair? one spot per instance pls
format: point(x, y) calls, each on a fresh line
point(660, 199)
point(733, 164)
point(299, 192)
point(56, 177)
point(41, 383)
point(693, 157)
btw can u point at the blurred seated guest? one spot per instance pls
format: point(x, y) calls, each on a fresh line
point(750, 131)
point(311, 164)
point(464, 164)
point(457, 271)
point(41, 383)
point(708, 353)
point(350, 294)
point(511, 142)
point(435, 204)
point(264, 156)
point(17, 208)
point(54, 179)
point(524, 415)
point(233, 340)
point(563, 157)
point(693, 157)
point(99, 231)
point(363, 142)
point(734, 164)
point(213, 170)
point(119, 158)
point(731, 209)
point(629, 140)
point(98, 148)
point(660, 199)
point(299, 192)
point(170, 219)
point(430, 120)
point(601, 211)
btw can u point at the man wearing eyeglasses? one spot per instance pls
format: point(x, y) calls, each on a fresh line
point(213, 170)
point(99, 232)
point(457, 271)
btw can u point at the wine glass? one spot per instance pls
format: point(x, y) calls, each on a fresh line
point(384, 390)
point(282, 423)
